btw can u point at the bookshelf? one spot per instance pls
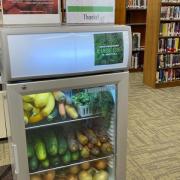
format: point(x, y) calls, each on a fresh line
point(162, 54)
point(133, 13)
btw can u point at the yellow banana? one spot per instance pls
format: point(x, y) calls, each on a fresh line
point(38, 115)
point(41, 100)
point(49, 107)
point(35, 118)
point(29, 98)
point(25, 118)
point(27, 107)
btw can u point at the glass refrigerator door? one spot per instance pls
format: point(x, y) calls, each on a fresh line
point(69, 133)
point(66, 127)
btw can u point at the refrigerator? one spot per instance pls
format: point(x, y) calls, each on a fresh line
point(66, 99)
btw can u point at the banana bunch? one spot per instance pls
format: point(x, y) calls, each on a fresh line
point(37, 107)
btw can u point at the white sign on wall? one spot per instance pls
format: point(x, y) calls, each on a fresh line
point(91, 11)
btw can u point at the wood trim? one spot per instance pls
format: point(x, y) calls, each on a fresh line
point(168, 84)
point(120, 12)
point(152, 37)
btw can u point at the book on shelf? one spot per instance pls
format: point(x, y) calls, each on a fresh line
point(137, 4)
point(170, 1)
point(170, 29)
point(135, 61)
point(136, 40)
point(169, 75)
point(169, 45)
point(31, 11)
point(168, 61)
point(170, 13)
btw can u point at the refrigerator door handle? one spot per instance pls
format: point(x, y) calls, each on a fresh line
point(15, 154)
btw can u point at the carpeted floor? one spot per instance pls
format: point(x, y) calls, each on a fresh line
point(153, 133)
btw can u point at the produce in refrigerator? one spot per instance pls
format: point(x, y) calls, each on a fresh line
point(97, 170)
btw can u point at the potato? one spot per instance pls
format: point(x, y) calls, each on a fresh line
point(74, 169)
point(85, 166)
point(50, 175)
point(35, 177)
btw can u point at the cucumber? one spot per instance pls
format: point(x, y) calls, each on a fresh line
point(45, 164)
point(51, 143)
point(66, 158)
point(75, 156)
point(30, 150)
point(33, 163)
point(53, 115)
point(40, 149)
point(54, 161)
point(63, 146)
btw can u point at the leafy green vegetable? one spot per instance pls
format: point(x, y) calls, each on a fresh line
point(103, 103)
point(82, 98)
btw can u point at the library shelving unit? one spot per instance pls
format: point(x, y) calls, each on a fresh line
point(136, 18)
point(162, 54)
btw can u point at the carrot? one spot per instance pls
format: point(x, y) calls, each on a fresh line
point(62, 111)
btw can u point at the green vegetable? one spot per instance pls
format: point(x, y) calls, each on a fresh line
point(51, 143)
point(75, 156)
point(62, 145)
point(66, 157)
point(82, 98)
point(54, 161)
point(45, 163)
point(103, 103)
point(30, 150)
point(53, 115)
point(33, 163)
point(40, 149)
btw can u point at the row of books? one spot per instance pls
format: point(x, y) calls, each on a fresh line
point(170, 12)
point(135, 61)
point(163, 76)
point(137, 3)
point(170, 29)
point(168, 61)
point(136, 40)
point(173, 1)
point(169, 45)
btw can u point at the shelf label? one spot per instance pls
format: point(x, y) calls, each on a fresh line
point(92, 11)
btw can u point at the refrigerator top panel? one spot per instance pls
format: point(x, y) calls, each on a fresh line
point(46, 52)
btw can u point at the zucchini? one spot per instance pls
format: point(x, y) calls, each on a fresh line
point(51, 143)
point(66, 157)
point(63, 146)
point(30, 150)
point(33, 163)
point(40, 149)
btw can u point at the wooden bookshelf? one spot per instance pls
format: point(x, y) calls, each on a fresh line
point(170, 4)
point(136, 18)
point(152, 40)
point(136, 70)
point(168, 84)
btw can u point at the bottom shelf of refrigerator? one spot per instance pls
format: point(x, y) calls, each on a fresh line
point(101, 169)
